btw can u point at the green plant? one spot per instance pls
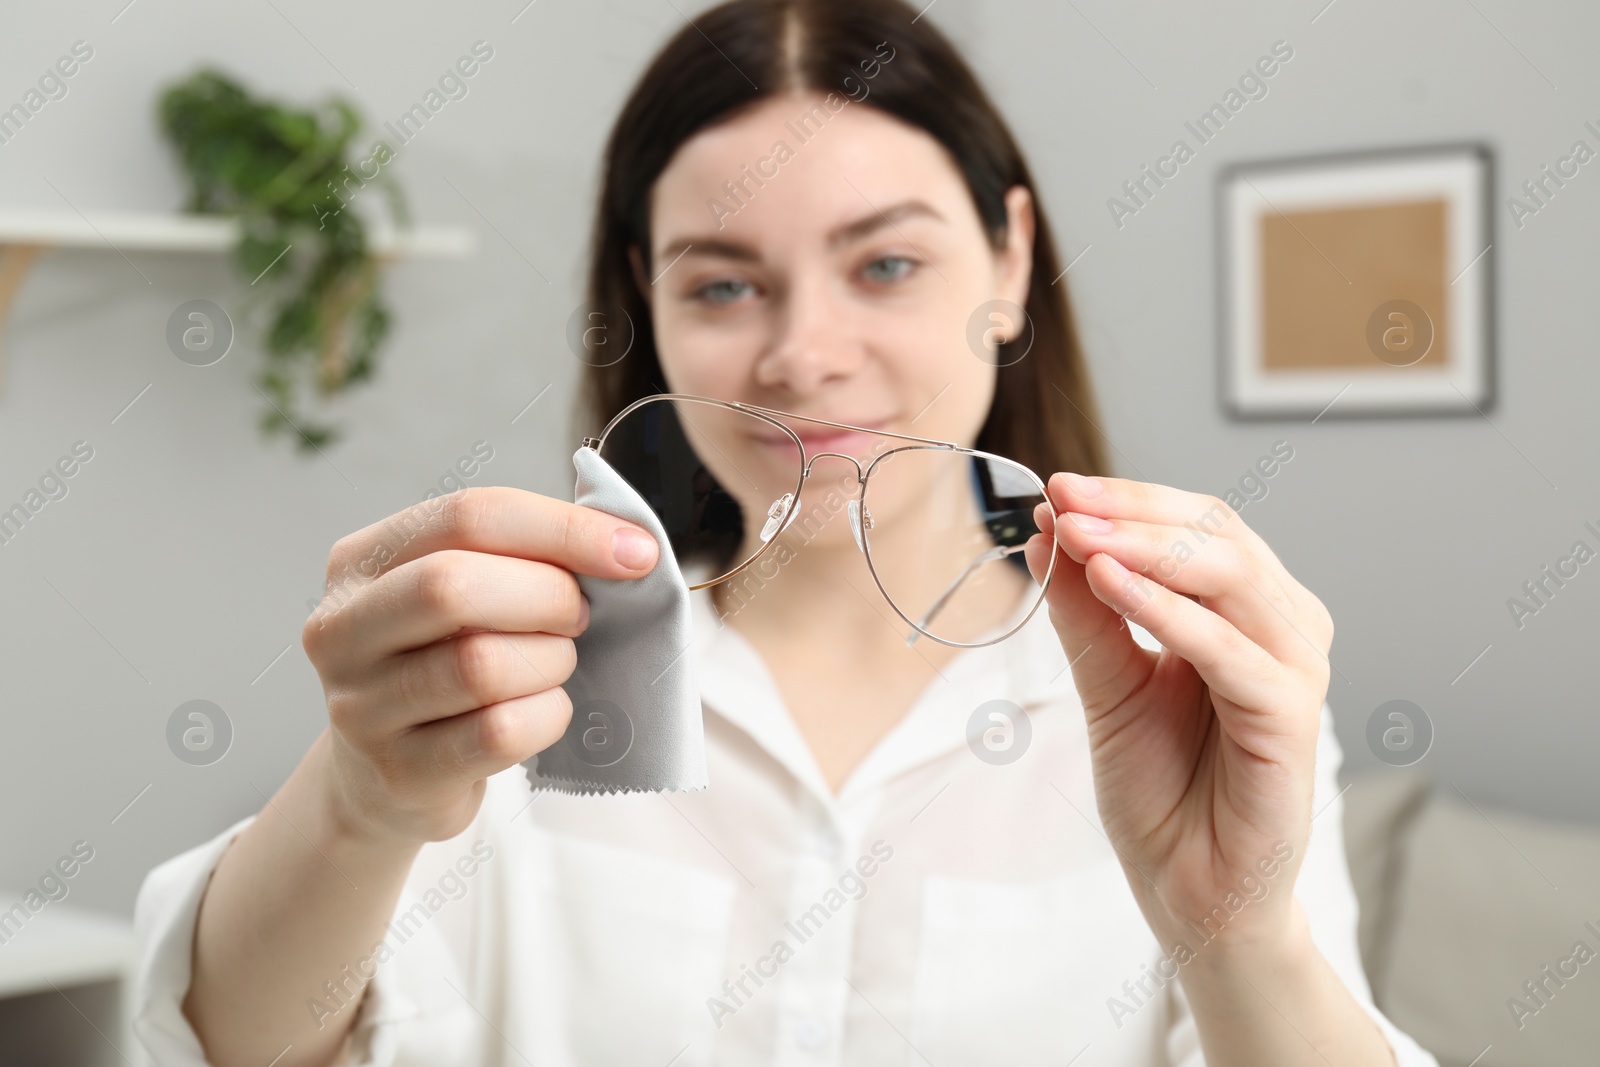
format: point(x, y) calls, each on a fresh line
point(282, 171)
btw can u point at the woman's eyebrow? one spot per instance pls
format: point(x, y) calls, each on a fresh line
point(839, 235)
point(709, 246)
point(867, 224)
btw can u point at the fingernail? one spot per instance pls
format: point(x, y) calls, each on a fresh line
point(1081, 486)
point(1089, 523)
point(633, 548)
point(583, 613)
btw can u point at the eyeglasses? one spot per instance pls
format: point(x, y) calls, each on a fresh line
point(956, 577)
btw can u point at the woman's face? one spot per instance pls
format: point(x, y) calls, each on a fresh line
point(841, 287)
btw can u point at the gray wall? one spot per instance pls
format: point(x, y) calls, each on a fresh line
point(179, 565)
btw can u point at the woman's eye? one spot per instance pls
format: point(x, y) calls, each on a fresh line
point(888, 268)
point(724, 291)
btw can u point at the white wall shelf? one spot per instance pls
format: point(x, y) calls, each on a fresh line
point(25, 234)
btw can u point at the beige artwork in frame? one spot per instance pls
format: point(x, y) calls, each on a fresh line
point(1358, 284)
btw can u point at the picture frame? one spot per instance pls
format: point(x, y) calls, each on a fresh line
point(1357, 284)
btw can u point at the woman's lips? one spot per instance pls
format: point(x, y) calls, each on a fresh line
point(848, 442)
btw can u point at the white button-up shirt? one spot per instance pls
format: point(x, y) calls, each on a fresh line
point(956, 902)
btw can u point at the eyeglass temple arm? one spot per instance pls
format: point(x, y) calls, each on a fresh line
point(987, 556)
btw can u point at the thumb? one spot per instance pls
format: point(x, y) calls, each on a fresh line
point(1099, 646)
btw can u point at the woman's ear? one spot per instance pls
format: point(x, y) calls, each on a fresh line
point(636, 260)
point(1016, 260)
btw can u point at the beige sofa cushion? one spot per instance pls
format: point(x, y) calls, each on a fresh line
point(1484, 900)
point(1379, 811)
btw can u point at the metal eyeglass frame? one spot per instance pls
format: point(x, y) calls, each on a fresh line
point(786, 507)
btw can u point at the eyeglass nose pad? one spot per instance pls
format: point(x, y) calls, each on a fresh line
point(775, 517)
point(860, 519)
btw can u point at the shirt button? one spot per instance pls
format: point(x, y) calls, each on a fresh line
point(810, 1033)
point(827, 843)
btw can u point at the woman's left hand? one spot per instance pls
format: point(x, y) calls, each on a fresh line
point(1204, 752)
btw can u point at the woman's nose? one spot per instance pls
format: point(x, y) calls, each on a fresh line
point(814, 342)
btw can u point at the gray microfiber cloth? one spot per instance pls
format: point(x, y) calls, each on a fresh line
point(636, 717)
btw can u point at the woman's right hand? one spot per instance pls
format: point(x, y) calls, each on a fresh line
point(442, 640)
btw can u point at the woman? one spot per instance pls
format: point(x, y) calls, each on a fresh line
point(1138, 880)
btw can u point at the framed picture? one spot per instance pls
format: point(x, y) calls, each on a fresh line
point(1357, 284)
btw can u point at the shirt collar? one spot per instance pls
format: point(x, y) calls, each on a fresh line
point(1029, 669)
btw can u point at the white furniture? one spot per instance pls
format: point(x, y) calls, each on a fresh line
point(65, 980)
point(24, 234)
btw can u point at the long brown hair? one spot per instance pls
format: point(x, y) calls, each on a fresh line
point(1043, 412)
